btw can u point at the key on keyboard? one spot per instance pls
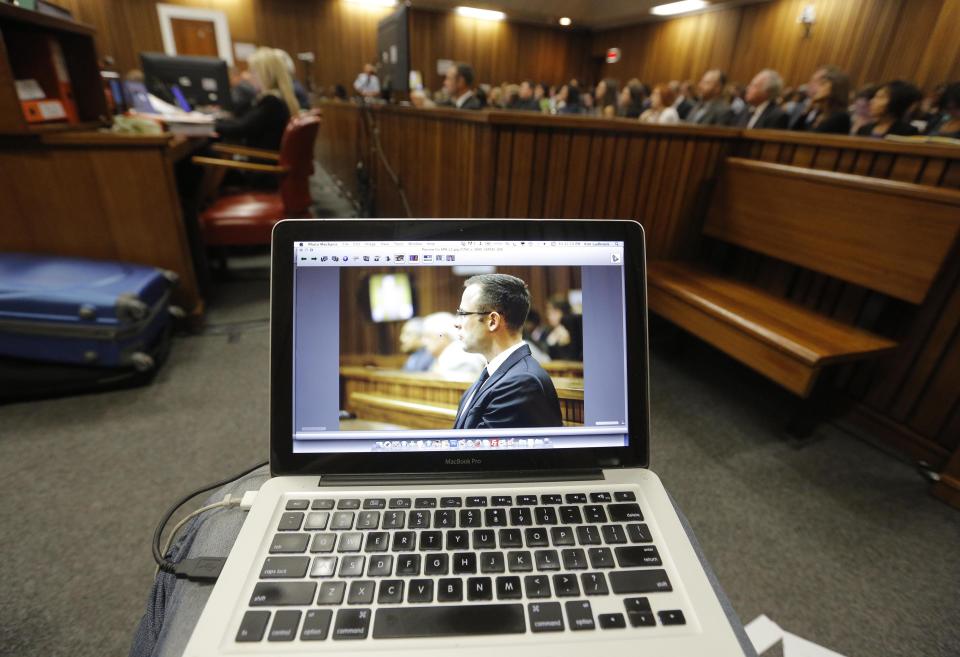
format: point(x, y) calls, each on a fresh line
point(440, 533)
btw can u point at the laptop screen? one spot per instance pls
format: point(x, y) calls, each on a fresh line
point(447, 346)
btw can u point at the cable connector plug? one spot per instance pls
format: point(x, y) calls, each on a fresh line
point(248, 499)
point(199, 569)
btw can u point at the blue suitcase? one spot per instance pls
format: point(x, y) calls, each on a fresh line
point(83, 312)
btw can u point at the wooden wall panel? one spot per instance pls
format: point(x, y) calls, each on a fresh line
point(127, 28)
point(678, 49)
point(498, 51)
point(940, 61)
point(852, 35)
point(344, 36)
point(592, 171)
point(338, 146)
point(873, 40)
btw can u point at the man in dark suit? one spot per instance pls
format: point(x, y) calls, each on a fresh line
point(762, 95)
point(459, 87)
point(525, 99)
point(513, 391)
point(712, 108)
point(685, 98)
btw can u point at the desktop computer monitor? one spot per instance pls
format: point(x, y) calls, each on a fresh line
point(194, 81)
point(393, 48)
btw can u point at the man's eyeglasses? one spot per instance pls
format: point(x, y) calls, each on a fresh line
point(463, 313)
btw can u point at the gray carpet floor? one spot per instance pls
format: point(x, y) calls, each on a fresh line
point(834, 540)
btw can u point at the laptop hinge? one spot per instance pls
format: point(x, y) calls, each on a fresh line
point(422, 478)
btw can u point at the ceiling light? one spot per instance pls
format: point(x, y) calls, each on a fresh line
point(373, 3)
point(678, 7)
point(565, 21)
point(484, 14)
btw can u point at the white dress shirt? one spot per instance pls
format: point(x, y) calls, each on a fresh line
point(757, 113)
point(367, 83)
point(455, 361)
point(492, 367)
point(464, 98)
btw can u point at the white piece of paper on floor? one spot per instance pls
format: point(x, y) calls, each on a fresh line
point(794, 646)
point(764, 634)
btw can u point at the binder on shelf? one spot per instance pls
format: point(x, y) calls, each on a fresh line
point(46, 94)
point(64, 89)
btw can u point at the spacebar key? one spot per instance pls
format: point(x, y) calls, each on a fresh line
point(463, 620)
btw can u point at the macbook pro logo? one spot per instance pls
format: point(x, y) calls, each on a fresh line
point(470, 461)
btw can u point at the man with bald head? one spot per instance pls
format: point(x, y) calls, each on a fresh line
point(712, 108)
point(762, 95)
point(513, 391)
point(449, 358)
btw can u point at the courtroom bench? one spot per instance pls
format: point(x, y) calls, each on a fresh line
point(421, 400)
point(555, 368)
point(886, 236)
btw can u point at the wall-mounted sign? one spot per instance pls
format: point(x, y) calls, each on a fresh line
point(443, 65)
point(613, 55)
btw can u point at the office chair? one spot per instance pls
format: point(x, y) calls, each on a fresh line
point(247, 217)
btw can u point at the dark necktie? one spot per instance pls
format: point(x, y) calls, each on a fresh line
point(484, 375)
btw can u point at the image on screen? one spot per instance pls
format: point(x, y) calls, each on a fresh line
point(391, 298)
point(513, 349)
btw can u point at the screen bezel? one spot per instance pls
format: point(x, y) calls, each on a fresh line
point(283, 461)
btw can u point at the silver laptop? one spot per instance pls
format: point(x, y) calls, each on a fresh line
point(486, 494)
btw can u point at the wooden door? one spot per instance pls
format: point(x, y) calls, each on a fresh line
point(194, 37)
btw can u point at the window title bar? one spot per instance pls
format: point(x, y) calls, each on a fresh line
point(451, 253)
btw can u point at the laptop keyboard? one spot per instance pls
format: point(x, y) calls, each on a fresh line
point(413, 567)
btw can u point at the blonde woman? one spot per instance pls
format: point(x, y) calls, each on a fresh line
point(262, 126)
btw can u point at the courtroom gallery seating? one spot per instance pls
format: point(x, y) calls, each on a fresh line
point(422, 400)
point(890, 237)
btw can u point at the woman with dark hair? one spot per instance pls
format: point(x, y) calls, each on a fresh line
point(828, 106)
point(569, 95)
point(888, 107)
point(631, 101)
point(860, 108)
point(949, 125)
point(564, 338)
point(606, 98)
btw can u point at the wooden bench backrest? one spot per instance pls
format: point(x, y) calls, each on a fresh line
point(887, 236)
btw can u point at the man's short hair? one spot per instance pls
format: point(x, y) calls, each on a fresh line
point(506, 294)
point(721, 76)
point(465, 71)
point(773, 83)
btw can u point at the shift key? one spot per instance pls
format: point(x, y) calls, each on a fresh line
point(278, 594)
point(639, 581)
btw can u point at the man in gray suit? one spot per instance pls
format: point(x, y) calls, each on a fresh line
point(712, 108)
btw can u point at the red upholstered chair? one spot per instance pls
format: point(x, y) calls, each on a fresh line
point(247, 217)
